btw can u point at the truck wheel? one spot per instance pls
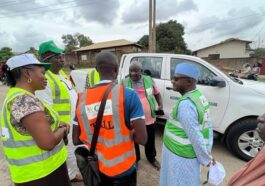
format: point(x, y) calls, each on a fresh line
point(243, 139)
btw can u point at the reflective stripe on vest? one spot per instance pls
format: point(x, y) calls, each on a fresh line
point(21, 151)
point(175, 138)
point(62, 106)
point(148, 84)
point(118, 136)
point(92, 78)
point(37, 158)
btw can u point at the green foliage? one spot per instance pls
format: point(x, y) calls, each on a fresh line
point(32, 50)
point(75, 41)
point(144, 41)
point(259, 53)
point(169, 38)
point(5, 53)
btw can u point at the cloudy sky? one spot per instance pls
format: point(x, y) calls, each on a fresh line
point(26, 23)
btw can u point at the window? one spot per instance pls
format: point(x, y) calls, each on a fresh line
point(214, 56)
point(205, 74)
point(83, 57)
point(151, 66)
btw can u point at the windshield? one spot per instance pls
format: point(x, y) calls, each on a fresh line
point(236, 80)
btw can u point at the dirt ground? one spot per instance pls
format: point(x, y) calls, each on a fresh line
point(147, 175)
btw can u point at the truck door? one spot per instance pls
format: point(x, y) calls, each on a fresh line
point(151, 66)
point(217, 97)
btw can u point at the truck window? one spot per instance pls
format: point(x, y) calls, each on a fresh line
point(151, 65)
point(205, 74)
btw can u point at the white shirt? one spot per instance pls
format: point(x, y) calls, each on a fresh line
point(46, 95)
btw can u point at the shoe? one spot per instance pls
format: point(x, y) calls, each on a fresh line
point(156, 165)
point(78, 178)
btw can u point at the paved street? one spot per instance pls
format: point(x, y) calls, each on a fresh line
point(147, 176)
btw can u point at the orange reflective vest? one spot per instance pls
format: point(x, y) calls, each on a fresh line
point(115, 147)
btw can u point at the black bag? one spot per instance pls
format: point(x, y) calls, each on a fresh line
point(87, 160)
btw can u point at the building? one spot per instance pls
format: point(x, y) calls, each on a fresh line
point(228, 55)
point(85, 56)
point(230, 48)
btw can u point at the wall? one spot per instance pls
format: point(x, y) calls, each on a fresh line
point(229, 65)
point(91, 55)
point(233, 49)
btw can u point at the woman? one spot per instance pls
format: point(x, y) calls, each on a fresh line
point(149, 96)
point(32, 134)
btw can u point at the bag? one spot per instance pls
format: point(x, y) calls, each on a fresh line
point(87, 160)
point(252, 174)
point(216, 174)
point(88, 166)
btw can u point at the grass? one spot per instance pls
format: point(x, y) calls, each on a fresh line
point(261, 79)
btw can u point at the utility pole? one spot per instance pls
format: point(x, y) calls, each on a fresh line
point(152, 25)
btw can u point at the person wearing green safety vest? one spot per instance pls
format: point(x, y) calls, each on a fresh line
point(92, 78)
point(61, 95)
point(188, 135)
point(151, 101)
point(32, 133)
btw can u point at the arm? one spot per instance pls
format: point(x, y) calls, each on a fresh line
point(188, 118)
point(38, 127)
point(76, 134)
point(139, 134)
point(158, 98)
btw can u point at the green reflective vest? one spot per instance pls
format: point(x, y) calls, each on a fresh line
point(60, 96)
point(175, 138)
point(92, 78)
point(149, 87)
point(26, 161)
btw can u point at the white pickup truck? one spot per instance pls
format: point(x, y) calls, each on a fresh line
point(234, 103)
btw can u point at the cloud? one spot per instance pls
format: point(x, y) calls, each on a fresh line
point(101, 11)
point(236, 21)
point(139, 11)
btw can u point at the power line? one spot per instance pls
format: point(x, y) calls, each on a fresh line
point(12, 3)
point(231, 19)
point(57, 9)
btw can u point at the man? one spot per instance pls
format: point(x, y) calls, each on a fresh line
point(188, 133)
point(92, 78)
point(261, 126)
point(122, 124)
point(61, 95)
point(149, 95)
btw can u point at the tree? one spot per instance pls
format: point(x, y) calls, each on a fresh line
point(5, 53)
point(259, 53)
point(169, 38)
point(32, 50)
point(75, 41)
point(144, 41)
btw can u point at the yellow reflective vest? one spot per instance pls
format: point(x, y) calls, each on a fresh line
point(26, 161)
point(60, 96)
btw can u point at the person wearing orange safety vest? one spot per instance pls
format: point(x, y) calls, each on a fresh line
point(122, 124)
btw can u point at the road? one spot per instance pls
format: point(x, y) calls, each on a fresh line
point(147, 176)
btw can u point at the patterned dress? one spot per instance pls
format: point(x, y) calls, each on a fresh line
point(179, 171)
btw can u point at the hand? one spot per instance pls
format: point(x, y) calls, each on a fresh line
point(261, 130)
point(261, 119)
point(65, 126)
point(160, 107)
point(212, 162)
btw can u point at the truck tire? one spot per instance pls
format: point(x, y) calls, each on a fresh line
point(243, 140)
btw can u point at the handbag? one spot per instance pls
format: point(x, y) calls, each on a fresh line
point(252, 174)
point(87, 160)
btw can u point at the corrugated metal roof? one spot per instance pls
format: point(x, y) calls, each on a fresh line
point(108, 44)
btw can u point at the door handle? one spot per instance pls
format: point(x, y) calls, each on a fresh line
point(169, 88)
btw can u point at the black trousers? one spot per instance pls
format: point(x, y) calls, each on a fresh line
point(59, 177)
point(129, 180)
point(150, 149)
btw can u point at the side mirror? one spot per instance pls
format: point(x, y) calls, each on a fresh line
point(217, 82)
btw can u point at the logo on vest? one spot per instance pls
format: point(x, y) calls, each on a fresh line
point(92, 110)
